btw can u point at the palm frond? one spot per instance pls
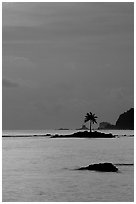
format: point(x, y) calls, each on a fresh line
point(90, 117)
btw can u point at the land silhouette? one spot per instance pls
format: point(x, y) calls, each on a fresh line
point(90, 117)
point(83, 127)
point(85, 134)
point(125, 121)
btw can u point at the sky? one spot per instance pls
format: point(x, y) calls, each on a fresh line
point(62, 60)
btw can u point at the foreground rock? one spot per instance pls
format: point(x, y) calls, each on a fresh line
point(85, 134)
point(104, 167)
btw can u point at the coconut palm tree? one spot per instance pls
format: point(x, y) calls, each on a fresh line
point(92, 118)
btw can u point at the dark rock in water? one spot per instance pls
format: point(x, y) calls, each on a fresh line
point(104, 167)
point(125, 164)
point(48, 135)
point(63, 129)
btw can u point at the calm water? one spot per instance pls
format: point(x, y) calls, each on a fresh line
point(42, 169)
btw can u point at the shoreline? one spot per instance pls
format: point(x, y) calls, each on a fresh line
point(86, 134)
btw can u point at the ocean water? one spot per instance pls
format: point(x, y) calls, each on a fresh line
point(41, 169)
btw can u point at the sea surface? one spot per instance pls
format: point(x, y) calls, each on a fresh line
point(41, 169)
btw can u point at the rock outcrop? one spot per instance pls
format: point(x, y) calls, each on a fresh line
point(106, 125)
point(104, 167)
point(126, 120)
point(83, 128)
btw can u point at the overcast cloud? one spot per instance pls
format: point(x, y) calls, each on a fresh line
point(65, 59)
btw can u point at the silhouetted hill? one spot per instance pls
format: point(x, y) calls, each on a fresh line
point(126, 120)
point(83, 128)
point(106, 125)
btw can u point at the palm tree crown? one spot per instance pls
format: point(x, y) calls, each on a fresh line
point(90, 117)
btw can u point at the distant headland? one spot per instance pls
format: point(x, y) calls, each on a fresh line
point(124, 122)
point(83, 128)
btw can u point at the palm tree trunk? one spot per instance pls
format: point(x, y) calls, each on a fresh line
point(90, 127)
